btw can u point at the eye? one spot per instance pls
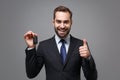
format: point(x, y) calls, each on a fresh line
point(66, 22)
point(58, 21)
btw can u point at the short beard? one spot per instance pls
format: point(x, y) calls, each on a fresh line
point(62, 37)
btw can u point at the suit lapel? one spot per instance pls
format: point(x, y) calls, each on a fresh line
point(55, 51)
point(56, 54)
point(71, 49)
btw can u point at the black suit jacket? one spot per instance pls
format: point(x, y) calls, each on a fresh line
point(47, 54)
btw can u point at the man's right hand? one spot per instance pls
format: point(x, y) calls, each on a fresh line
point(28, 36)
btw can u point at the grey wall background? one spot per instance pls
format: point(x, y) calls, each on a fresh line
point(96, 20)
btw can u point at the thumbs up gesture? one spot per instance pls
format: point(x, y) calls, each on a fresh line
point(84, 50)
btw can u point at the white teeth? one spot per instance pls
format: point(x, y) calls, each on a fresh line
point(62, 30)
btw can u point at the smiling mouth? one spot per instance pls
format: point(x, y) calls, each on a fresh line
point(62, 31)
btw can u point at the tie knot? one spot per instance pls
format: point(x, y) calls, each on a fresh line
point(63, 41)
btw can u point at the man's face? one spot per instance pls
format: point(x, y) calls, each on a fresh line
point(62, 24)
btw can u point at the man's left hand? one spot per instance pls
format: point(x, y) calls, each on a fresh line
point(84, 50)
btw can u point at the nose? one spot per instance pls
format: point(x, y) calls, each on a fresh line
point(62, 25)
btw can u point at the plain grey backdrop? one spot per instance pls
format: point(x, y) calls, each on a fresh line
point(96, 20)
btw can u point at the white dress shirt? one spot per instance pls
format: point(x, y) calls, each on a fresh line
point(67, 39)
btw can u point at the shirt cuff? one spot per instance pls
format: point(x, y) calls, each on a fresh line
point(30, 48)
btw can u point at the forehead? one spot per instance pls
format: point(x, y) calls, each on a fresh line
point(62, 15)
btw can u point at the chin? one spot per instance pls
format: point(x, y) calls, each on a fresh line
point(62, 36)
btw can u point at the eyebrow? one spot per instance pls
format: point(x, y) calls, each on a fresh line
point(65, 21)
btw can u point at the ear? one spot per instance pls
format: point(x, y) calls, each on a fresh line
point(71, 21)
point(53, 21)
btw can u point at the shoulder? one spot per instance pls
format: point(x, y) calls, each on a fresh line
point(77, 40)
point(47, 41)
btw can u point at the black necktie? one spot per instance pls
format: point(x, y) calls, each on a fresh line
point(63, 50)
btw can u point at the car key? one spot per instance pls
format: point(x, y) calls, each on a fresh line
point(35, 39)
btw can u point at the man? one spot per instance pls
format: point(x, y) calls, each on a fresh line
point(63, 55)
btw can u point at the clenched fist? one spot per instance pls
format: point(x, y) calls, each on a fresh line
point(28, 36)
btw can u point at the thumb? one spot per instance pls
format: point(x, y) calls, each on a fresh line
point(84, 42)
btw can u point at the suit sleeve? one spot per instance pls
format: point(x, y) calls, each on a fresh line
point(89, 68)
point(33, 67)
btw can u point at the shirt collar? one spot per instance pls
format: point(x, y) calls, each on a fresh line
point(67, 39)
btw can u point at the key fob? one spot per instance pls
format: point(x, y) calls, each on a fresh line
point(35, 39)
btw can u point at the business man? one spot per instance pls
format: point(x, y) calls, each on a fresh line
point(63, 55)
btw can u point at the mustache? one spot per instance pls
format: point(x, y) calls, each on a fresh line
point(62, 29)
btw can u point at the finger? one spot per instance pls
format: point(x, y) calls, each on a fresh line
point(84, 55)
point(83, 47)
point(34, 34)
point(26, 34)
point(83, 50)
point(29, 35)
point(84, 42)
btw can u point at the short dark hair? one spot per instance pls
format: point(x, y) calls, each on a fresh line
point(62, 9)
